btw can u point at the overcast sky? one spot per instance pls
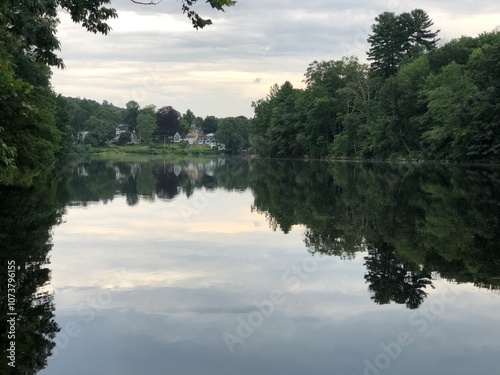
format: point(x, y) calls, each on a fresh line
point(154, 56)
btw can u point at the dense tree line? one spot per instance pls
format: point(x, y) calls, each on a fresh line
point(415, 100)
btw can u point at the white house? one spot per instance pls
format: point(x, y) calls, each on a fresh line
point(191, 139)
point(121, 128)
point(177, 137)
point(80, 136)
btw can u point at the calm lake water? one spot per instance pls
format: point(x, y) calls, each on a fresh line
point(227, 266)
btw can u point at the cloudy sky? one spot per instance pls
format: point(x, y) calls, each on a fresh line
point(154, 56)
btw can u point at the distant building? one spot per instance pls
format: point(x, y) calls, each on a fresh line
point(124, 128)
point(194, 134)
point(121, 128)
point(177, 137)
point(191, 139)
point(80, 136)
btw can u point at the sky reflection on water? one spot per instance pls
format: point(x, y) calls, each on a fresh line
point(141, 290)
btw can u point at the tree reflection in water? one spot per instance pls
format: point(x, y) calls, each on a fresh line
point(27, 215)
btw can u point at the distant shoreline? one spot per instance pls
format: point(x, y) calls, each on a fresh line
point(204, 151)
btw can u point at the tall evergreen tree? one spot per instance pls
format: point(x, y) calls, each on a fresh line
point(397, 36)
point(385, 51)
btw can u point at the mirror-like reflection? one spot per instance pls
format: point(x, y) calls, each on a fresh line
point(412, 220)
point(26, 218)
point(407, 228)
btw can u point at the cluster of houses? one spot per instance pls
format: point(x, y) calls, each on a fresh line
point(196, 136)
point(193, 137)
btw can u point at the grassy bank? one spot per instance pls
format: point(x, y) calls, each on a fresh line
point(170, 149)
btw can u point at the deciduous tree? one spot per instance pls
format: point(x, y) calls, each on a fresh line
point(167, 122)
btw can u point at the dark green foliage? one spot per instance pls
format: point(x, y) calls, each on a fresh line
point(396, 37)
point(275, 129)
point(411, 219)
point(33, 23)
point(89, 116)
point(457, 50)
point(146, 123)
point(124, 138)
point(131, 113)
point(233, 133)
point(417, 101)
point(34, 126)
point(210, 124)
point(197, 21)
point(391, 280)
point(167, 122)
point(386, 51)
point(27, 215)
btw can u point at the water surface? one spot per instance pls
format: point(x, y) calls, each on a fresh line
point(228, 266)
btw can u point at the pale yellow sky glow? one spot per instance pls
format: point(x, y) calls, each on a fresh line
point(137, 233)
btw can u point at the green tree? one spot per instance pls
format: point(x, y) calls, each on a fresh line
point(233, 133)
point(276, 130)
point(77, 117)
point(145, 126)
point(417, 34)
point(7, 154)
point(456, 50)
point(187, 8)
point(396, 36)
point(189, 117)
point(337, 105)
point(412, 107)
point(102, 129)
point(385, 45)
point(210, 124)
point(63, 124)
point(124, 138)
point(198, 121)
point(167, 122)
point(449, 96)
point(131, 113)
point(483, 133)
point(34, 24)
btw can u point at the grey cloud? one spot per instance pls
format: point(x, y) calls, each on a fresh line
point(254, 37)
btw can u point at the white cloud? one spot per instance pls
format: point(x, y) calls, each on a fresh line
point(154, 56)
